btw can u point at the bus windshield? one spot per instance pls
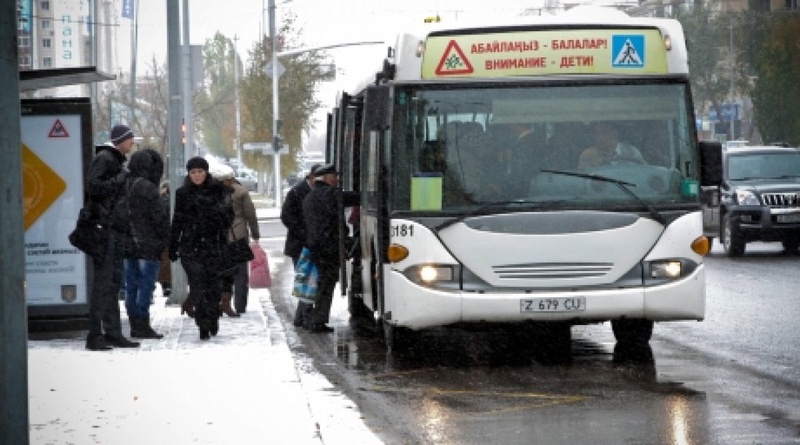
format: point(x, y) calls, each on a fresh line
point(460, 147)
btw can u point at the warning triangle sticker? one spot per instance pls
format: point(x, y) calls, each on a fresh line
point(454, 61)
point(58, 130)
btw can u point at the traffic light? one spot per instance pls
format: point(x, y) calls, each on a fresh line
point(183, 131)
point(277, 143)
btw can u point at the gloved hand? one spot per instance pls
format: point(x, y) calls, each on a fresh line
point(173, 255)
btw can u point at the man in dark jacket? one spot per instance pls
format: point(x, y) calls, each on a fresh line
point(292, 218)
point(148, 235)
point(322, 217)
point(104, 189)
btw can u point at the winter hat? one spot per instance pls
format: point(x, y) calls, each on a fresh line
point(120, 133)
point(196, 162)
point(313, 170)
point(222, 172)
point(323, 170)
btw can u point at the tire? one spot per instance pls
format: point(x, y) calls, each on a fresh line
point(791, 244)
point(632, 331)
point(398, 340)
point(732, 241)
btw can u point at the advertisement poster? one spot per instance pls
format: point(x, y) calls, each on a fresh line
point(53, 156)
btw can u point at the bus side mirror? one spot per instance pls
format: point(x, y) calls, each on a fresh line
point(710, 163)
point(377, 102)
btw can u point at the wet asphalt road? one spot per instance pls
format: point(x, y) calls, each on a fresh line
point(732, 379)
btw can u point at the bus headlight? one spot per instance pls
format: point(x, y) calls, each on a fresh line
point(667, 269)
point(429, 274)
point(432, 275)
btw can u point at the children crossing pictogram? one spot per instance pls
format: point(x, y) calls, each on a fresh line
point(58, 130)
point(628, 51)
point(454, 61)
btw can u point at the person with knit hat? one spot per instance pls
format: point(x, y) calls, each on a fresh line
point(235, 284)
point(104, 188)
point(200, 225)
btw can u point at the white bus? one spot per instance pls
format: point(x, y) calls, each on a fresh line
point(477, 206)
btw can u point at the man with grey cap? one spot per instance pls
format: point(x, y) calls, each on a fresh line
point(292, 218)
point(104, 188)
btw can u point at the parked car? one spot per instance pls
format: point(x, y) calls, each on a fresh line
point(247, 179)
point(757, 200)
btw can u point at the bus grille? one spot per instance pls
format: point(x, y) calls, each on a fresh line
point(551, 270)
point(781, 199)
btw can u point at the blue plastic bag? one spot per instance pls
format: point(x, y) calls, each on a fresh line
point(306, 278)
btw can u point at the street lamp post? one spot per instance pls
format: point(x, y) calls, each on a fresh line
point(733, 102)
point(276, 123)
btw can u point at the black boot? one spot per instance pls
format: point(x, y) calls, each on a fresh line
point(96, 342)
point(214, 328)
point(119, 341)
point(144, 330)
point(135, 326)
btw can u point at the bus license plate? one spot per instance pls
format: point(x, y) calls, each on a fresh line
point(562, 304)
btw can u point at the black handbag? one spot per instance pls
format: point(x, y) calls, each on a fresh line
point(234, 254)
point(89, 236)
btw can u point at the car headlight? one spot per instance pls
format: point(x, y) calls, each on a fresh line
point(744, 197)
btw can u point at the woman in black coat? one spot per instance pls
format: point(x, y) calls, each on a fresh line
point(200, 226)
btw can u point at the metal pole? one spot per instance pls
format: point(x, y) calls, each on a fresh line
point(13, 302)
point(733, 106)
point(176, 172)
point(186, 69)
point(276, 172)
point(238, 145)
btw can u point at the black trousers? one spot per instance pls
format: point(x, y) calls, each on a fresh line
point(104, 317)
point(328, 276)
point(205, 287)
point(237, 282)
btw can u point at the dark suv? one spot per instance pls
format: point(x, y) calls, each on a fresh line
point(758, 198)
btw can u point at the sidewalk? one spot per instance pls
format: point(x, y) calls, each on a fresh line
point(268, 213)
point(241, 387)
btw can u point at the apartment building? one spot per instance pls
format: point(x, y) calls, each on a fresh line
point(60, 34)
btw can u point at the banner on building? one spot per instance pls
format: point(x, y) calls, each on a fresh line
point(127, 9)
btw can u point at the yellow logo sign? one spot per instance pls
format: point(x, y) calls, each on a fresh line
point(41, 186)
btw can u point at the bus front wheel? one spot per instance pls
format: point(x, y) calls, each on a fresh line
point(398, 339)
point(632, 331)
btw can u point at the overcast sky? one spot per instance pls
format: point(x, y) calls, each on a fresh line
point(321, 22)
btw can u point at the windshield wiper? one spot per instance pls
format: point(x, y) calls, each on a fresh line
point(783, 177)
point(621, 184)
point(485, 207)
